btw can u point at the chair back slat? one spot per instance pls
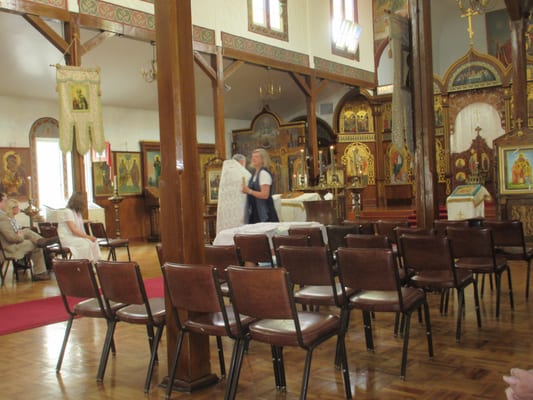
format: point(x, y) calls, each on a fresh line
point(385, 227)
point(121, 282)
point(221, 256)
point(261, 293)
point(75, 278)
point(368, 269)
point(426, 253)
point(440, 225)
point(507, 233)
point(320, 211)
point(337, 235)
point(471, 242)
point(314, 233)
point(253, 248)
point(368, 241)
point(307, 265)
point(98, 230)
point(192, 287)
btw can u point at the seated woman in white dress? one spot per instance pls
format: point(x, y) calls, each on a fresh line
point(72, 233)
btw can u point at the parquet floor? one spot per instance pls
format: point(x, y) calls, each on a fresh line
point(471, 369)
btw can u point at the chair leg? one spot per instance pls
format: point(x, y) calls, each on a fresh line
point(528, 278)
point(281, 370)
point(511, 301)
point(428, 329)
point(498, 278)
point(407, 325)
point(220, 350)
point(153, 358)
point(64, 345)
point(307, 369)
point(460, 305)
point(174, 365)
point(345, 371)
point(476, 301)
point(275, 366)
point(345, 321)
point(396, 324)
point(105, 351)
point(367, 322)
point(128, 250)
point(150, 333)
point(235, 370)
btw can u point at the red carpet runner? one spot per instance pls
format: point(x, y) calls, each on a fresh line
point(32, 314)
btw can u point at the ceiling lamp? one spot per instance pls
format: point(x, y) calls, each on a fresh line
point(475, 6)
point(269, 90)
point(150, 75)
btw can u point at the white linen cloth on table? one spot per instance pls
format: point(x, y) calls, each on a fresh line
point(294, 210)
point(225, 237)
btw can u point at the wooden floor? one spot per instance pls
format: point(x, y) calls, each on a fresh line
point(471, 369)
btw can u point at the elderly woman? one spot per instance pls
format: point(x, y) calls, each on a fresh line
point(72, 233)
point(259, 203)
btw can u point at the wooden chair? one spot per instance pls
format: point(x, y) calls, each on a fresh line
point(385, 227)
point(432, 261)
point(278, 323)
point(337, 236)
point(509, 242)
point(99, 231)
point(311, 269)
point(253, 249)
point(288, 240)
point(54, 248)
point(365, 227)
point(196, 289)
point(473, 249)
point(373, 275)
point(160, 256)
point(76, 279)
point(221, 257)
point(440, 225)
point(121, 282)
point(22, 265)
point(368, 241)
point(320, 211)
point(313, 232)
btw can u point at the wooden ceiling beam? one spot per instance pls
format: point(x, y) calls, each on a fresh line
point(205, 66)
point(95, 41)
point(44, 29)
point(232, 68)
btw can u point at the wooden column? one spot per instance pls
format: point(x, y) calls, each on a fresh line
point(310, 103)
point(218, 104)
point(424, 121)
point(73, 57)
point(180, 197)
point(518, 55)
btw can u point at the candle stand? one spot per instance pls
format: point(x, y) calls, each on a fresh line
point(31, 211)
point(116, 199)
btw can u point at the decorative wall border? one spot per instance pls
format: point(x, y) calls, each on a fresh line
point(53, 3)
point(263, 50)
point(203, 35)
point(356, 137)
point(115, 13)
point(331, 67)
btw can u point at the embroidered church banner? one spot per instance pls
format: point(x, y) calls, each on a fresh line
point(80, 109)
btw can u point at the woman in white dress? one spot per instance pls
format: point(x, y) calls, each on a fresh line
point(72, 233)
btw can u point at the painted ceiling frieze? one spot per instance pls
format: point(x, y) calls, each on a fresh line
point(53, 3)
point(264, 50)
point(203, 35)
point(116, 13)
point(331, 67)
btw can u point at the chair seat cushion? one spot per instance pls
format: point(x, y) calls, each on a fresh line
point(313, 325)
point(136, 313)
point(213, 323)
point(483, 265)
point(381, 300)
point(441, 279)
point(319, 295)
point(515, 252)
point(119, 242)
point(91, 308)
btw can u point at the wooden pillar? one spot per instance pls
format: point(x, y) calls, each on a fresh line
point(73, 57)
point(180, 196)
point(518, 55)
point(310, 102)
point(218, 104)
point(424, 121)
point(377, 111)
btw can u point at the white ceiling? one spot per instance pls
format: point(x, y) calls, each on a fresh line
point(26, 72)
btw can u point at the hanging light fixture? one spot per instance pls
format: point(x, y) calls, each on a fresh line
point(150, 75)
point(269, 90)
point(476, 6)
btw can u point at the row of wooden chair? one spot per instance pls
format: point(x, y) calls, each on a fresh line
point(122, 298)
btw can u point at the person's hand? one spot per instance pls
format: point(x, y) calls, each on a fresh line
point(245, 189)
point(520, 384)
point(91, 238)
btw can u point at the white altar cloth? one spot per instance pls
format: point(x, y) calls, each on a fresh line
point(225, 237)
point(293, 209)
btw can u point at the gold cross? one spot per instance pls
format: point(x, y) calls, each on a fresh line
point(519, 123)
point(478, 129)
point(469, 13)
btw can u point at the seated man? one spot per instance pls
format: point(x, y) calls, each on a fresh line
point(17, 246)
